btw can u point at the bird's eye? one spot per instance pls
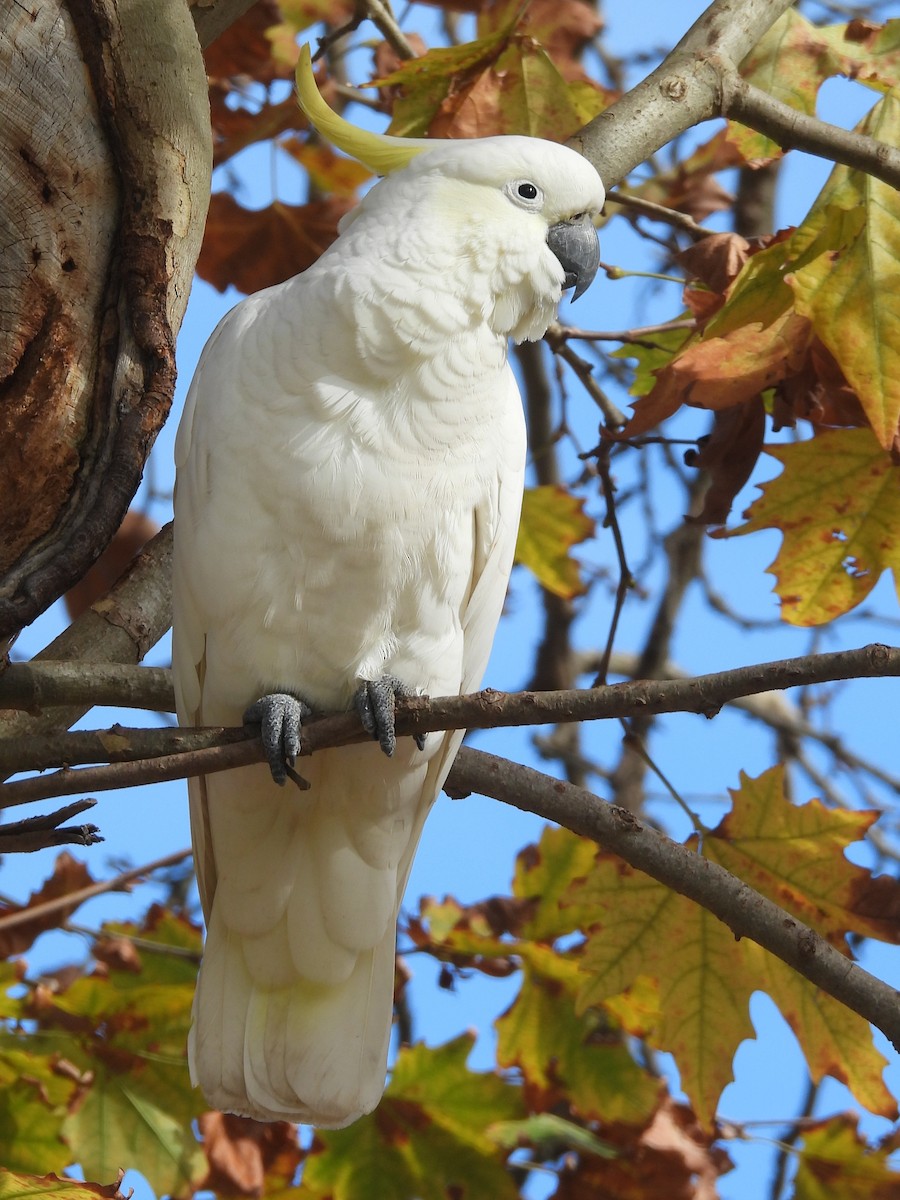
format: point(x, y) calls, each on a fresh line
point(525, 194)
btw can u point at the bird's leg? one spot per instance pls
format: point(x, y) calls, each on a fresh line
point(279, 717)
point(374, 702)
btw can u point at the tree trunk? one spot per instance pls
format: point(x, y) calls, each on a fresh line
point(104, 184)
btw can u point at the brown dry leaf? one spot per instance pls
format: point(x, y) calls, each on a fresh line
point(243, 1154)
point(563, 28)
point(716, 260)
point(818, 393)
point(69, 875)
point(244, 51)
point(671, 1156)
point(253, 249)
point(120, 953)
point(729, 454)
point(236, 128)
point(135, 531)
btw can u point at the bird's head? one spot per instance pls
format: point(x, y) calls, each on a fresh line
point(517, 212)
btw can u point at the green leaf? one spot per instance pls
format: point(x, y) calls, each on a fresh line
point(549, 1134)
point(427, 1139)
point(14, 1186)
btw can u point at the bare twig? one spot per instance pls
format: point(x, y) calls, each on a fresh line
point(72, 899)
point(660, 212)
point(39, 833)
point(743, 910)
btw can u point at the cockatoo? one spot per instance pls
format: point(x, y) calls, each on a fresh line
point(349, 477)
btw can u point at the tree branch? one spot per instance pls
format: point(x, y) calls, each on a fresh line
point(743, 910)
point(39, 833)
point(685, 89)
point(488, 709)
point(793, 130)
point(71, 900)
point(33, 686)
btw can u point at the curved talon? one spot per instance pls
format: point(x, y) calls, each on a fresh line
point(375, 702)
point(280, 717)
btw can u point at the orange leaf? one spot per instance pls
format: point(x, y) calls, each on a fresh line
point(253, 249)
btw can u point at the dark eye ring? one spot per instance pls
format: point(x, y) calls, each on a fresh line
point(527, 191)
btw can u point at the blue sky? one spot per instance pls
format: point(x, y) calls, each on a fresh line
point(469, 846)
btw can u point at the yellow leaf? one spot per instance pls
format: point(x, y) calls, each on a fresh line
point(835, 1163)
point(794, 854)
point(852, 295)
point(552, 522)
point(705, 977)
point(837, 503)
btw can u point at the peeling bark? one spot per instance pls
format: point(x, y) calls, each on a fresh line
point(104, 183)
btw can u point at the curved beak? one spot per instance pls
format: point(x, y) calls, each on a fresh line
point(576, 246)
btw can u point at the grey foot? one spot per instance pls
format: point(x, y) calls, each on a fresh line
point(279, 717)
point(374, 702)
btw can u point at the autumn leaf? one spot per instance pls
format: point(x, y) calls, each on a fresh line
point(835, 1163)
point(705, 977)
point(794, 854)
point(500, 84)
point(252, 249)
point(837, 503)
point(15, 1186)
point(69, 875)
point(553, 520)
point(669, 1156)
point(852, 295)
point(790, 63)
point(328, 171)
point(428, 1137)
point(247, 1157)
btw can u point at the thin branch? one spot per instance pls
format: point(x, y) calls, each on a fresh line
point(71, 900)
point(562, 333)
point(488, 709)
point(39, 833)
point(660, 212)
point(743, 910)
point(793, 130)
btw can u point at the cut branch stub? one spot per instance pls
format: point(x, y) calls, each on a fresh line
point(104, 183)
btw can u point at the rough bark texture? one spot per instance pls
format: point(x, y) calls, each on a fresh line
point(104, 182)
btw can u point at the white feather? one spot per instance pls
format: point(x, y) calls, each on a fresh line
point(350, 468)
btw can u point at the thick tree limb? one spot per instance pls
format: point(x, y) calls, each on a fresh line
point(32, 686)
point(120, 628)
point(684, 90)
point(743, 910)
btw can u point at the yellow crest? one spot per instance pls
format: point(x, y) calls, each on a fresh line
point(379, 152)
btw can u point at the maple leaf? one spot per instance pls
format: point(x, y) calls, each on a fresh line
point(503, 83)
point(835, 1163)
point(852, 294)
point(553, 520)
point(837, 503)
point(69, 875)
point(705, 977)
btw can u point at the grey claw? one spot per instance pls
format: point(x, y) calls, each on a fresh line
point(280, 717)
point(374, 702)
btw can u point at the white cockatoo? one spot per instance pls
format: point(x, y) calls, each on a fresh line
point(350, 468)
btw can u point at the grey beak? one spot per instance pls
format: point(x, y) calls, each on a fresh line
point(576, 246)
